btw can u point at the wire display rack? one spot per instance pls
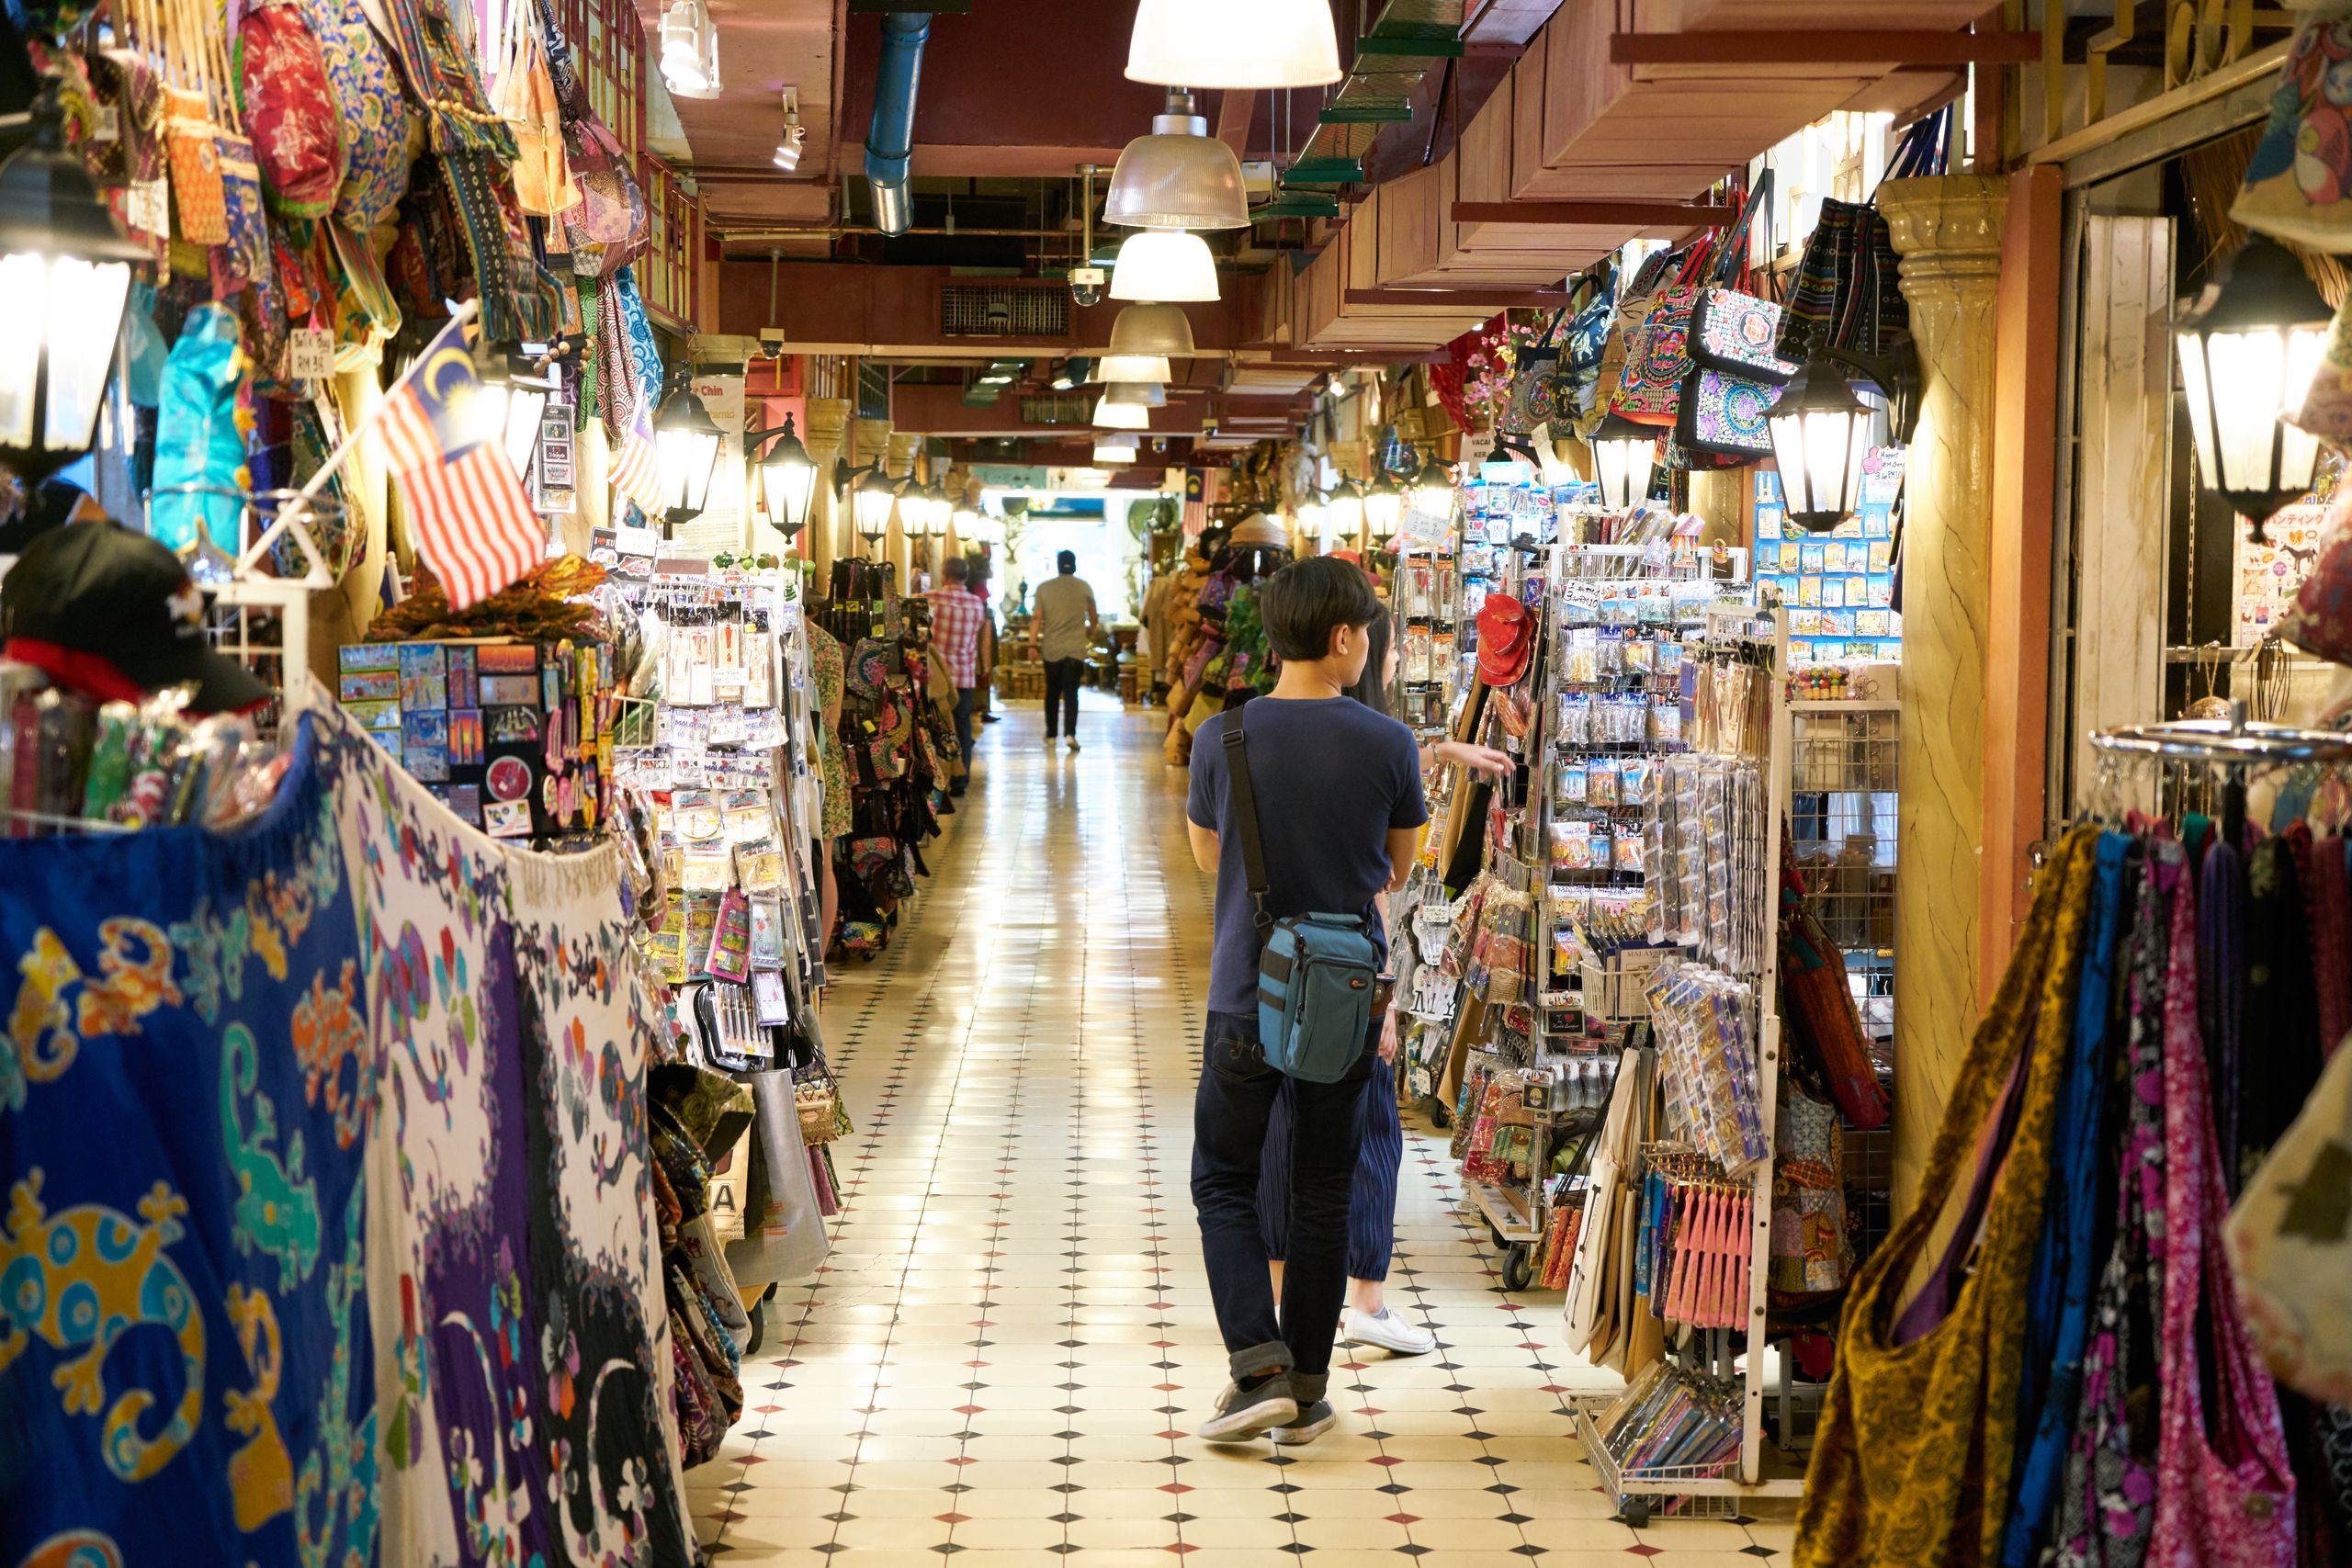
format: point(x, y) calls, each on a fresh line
point(1845, 765)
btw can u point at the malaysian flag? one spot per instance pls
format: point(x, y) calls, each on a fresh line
point(637, 469)
point(473, 524)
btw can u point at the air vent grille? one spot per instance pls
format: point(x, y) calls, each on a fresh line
point(1058, 407)
point(996, 309)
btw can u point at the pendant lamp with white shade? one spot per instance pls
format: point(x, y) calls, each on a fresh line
point(1234, 43)
point(1164, 265)
point(1109, 415)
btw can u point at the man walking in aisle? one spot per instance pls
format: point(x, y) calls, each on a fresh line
point(1337, 790)
point(956, 614)
point(1062, 629)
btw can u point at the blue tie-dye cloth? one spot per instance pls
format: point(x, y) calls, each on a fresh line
point(185, 1360)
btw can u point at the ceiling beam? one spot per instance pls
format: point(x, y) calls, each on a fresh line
point(1477, 298)
point(1576, 214)
point(1890, 48)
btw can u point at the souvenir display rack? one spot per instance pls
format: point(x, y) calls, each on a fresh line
point(727, 782)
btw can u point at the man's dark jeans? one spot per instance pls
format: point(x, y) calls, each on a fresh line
point(1063, 677)
point(964, 699)
point(1229, 1111)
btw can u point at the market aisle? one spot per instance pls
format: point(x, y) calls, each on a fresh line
point(1013, 1335)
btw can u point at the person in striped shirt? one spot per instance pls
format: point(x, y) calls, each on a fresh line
point(956, 614)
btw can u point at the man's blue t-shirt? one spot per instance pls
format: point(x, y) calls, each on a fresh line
point(1333, 777)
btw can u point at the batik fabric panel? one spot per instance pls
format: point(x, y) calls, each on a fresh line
point(588, 1035)
point(461, 1368)
point(185, 1335)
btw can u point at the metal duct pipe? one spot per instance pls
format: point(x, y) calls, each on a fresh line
point(889, 145)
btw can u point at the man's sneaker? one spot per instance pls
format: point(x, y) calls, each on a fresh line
point(1073, 742)
point(1049, 742)
point(1241, 1417)
point(1306, 1426)
point(1388, 1331)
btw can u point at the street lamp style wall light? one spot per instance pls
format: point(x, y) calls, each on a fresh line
point(2248, 350)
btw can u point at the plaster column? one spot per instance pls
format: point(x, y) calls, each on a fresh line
point(1948, 231)
point(828, 427)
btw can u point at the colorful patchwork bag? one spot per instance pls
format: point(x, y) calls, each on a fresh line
point(298, 142)
point(121, 80)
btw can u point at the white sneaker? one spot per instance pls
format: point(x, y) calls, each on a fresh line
point(1388, 1331)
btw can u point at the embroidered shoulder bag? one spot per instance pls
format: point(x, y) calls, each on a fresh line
point(1734, 376)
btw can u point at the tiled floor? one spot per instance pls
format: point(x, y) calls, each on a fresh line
point(1013, 1339)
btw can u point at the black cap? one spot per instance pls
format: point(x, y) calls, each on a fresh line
point(120, 598)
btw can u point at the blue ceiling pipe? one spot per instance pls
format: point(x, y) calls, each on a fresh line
point(890, 146)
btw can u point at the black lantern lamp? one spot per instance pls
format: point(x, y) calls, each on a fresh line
point(2249, 349)
point(685, 450)
point(787, 477)
point(1384, 508)
point(65, 274)
point(1432, 489)
point(1624, 457)
point(513, 394)
point(870, 499)
point(1821, 431)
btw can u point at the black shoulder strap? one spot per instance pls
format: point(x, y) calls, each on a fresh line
point(1245, 814)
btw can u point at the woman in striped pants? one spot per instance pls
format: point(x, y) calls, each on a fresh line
point(1372, 1216)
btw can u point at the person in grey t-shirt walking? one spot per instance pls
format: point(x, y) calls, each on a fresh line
point(1062, 629)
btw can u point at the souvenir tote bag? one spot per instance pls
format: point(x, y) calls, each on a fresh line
point(2291, 1238)
point(2299, 182)
point(297, 138)
point(1633, 302)
point(1657, 350)
point(1587, 344)
point(1919, 1427)
point(1736, 372)
point(371, 112)
point(610, 226)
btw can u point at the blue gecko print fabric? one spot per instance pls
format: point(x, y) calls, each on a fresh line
point(186, 1361)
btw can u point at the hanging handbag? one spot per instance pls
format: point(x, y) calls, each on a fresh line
point(1587, 343)
point(1885, 1483)
point(610, 226)
point(297, 136)
point(1657, 354)
point(524, 95)
point(2291, 1240)
point(371, 110)
point(122, 80)
point(2225, 1496)
point(1811, 1255)
point(1817, 1005)
point(2299, 182)
point(1734, 376)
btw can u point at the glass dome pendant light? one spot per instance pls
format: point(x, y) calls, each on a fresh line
point(1138, 394)
point(1178, 177)
point(2248, 350)
point(1164, 265)
point(1163, 330)
point(1234, 43)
